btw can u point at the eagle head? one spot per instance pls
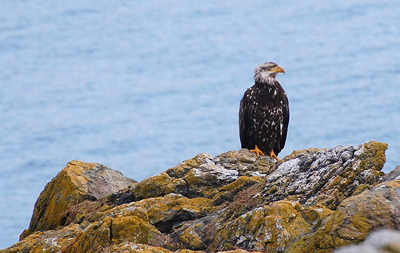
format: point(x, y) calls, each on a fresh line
point(266, 72)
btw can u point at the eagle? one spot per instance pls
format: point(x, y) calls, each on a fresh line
point(264, 113)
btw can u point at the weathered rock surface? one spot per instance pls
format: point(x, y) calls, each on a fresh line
point(355, 218)
point(78, 181)
point(314, 200)
point(382, 241)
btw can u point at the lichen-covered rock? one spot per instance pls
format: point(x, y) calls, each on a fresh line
point(355, 218)
point(162, 212)
point(271, 227)
point(203, 175)
point(130, 247)
point(326, 176)
point(159, 185)
point(49, 241)
point(314, 200)
point(77, 182)
point(133, 229)
point(96, 235)
point(381, 241)
point(230, 191)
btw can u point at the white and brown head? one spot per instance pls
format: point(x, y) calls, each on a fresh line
point(266, 72)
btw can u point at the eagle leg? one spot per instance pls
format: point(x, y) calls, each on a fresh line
point(257, 151)
point(272, 155)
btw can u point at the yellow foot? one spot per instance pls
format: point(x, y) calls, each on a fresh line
point(272, 155)
point(257, 151)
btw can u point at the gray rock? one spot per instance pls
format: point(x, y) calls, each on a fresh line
point(393, 175)
point(104, 181)
point(315, 176)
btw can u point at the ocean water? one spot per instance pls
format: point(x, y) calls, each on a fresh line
point(142, 85)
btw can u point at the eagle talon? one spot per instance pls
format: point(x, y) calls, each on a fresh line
point(272, 155)
point(257, 151)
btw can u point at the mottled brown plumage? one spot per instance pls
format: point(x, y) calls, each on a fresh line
point(264, 113)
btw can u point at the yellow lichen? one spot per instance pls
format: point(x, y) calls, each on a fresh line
point(132, 229)
point(191, 239)
point(67, 188)
point(158, 185)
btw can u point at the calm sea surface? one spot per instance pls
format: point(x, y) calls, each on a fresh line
point(143, 85)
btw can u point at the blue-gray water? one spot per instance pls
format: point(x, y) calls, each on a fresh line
point(143, 85)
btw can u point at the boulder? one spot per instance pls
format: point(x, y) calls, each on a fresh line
point(326, 176)
point(77, 182)
point(314, 200)
point(355, 218)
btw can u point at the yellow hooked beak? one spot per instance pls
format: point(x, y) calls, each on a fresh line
point(278, 69)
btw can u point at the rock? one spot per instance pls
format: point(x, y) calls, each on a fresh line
point(162, 211)
point(202, 175)
point(50, 241)
point(355, 218)
point(314, 200)
point(270, 227)
point(326, 176)
point(134, 248)
point(393, 175)
point(382, 241)
point(77, 182)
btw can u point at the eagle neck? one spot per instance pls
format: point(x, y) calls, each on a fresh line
point(270, 85)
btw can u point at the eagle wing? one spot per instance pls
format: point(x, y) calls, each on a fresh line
point(245, 117)
point(285, 122)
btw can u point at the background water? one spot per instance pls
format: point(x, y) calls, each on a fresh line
point(143, 85)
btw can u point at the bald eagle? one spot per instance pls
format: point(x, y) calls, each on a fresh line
point(264, 113)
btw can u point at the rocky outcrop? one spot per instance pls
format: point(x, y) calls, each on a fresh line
point(77, 182)
point(314, 200)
